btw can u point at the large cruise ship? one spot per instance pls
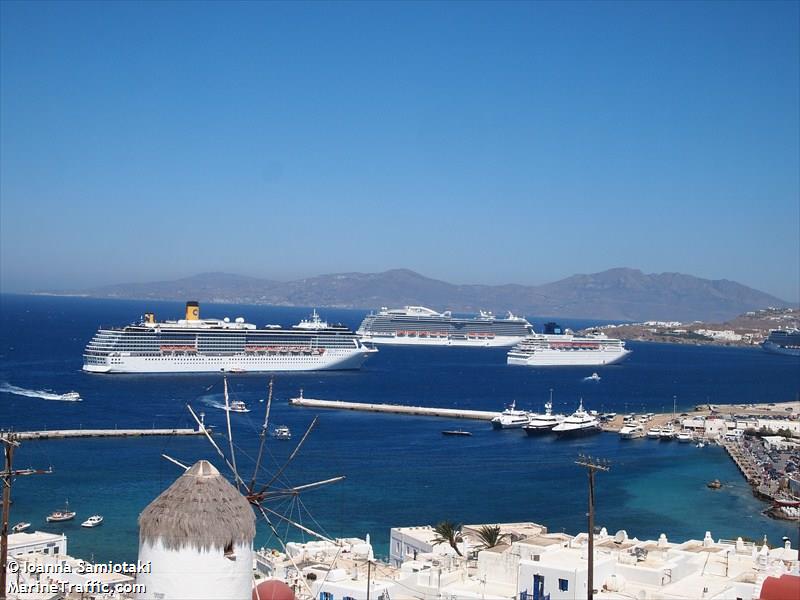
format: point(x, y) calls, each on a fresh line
point(556, 347)
point(783, 341)
point(199, 345)
point(417, 325)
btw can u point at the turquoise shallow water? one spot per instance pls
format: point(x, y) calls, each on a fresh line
point(399, 470)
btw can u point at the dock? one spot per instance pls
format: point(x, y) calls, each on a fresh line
point(398, 409)
point(60, 434)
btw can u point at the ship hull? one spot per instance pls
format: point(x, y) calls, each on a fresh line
point(774, 348)
point(333, 359)
point(392, 340)
point(556, 358)
point(576, 431)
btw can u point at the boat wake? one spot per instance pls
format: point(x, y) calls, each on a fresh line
point(212, 400)
point(42, 394)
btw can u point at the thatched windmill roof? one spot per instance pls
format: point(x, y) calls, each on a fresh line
point(200, 509)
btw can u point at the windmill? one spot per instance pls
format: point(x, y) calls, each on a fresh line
point(260, 491)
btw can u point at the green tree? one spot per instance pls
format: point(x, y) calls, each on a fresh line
point(490, 536)
point(448, 532)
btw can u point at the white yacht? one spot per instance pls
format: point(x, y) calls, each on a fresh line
point(282, 433)
point(238, 406)
point(685, 436)
point(511, 418)
point(667, 432)
point(631, 432)
point(543, 423)
point(92, 521)
point(654, 433)
point(20, 527)
point(578, 423)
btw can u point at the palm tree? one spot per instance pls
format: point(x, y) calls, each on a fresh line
point(490, 536)
point(447, 532)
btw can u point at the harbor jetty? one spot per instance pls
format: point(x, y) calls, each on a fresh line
point(60, 434)
point(399, 409)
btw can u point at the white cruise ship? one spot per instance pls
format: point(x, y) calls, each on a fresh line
point(783, 341)
point(417, 325)
point(200, 345)
point(557, 348)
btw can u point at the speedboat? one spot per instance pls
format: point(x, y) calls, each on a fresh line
point(92, 521)
point(631, 432)
point(282, 433)
point(57, 516)
point(578, 423)
point(511, 418)
point(238, 406)
point(593, 377)
point(71, 397)
point(20, 527)
point(654, 433)
point(685, 436)
point(543, 423)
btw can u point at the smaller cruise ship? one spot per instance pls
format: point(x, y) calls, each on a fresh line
point(557, 347)
point(578, 423)
point(511, 418)
point(783, 341)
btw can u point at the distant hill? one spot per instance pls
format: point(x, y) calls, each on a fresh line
point(625, 294)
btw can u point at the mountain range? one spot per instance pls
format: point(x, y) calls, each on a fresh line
point(615, 294)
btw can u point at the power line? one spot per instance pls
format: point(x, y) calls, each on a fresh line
point(591, 465)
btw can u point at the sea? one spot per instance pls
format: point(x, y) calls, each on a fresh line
point(398, 470)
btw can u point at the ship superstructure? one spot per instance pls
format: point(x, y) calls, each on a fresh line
point(558, 347)
point(783, 341)
point(199, 345)
point(418, 325)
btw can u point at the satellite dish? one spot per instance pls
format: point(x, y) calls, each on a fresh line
point(620, 536)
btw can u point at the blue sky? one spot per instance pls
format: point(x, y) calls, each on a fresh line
point(472, 142)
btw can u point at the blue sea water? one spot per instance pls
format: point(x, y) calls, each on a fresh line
point(399, 470)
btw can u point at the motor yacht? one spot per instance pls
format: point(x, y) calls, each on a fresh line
point(238, 406)
point(282, 433)
point(685, 436)
point(654, 433)
point(667, 433)
point(511, 418)
point(543, 423)
point(92, 521)
point(578, 423)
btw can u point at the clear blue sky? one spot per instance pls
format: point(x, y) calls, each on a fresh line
point(472, 142)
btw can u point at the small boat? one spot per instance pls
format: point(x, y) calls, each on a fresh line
point(700, 445)
point(237, 370)
point(631, 432)
point(57, 516)
point(593, 377)
point(667, 433)
point(238, 406)
point(20, 527)
point(71, 397)
point(714, 485)
point(684, 436)
point(282, 433)
point(654, 433)
point(92, 521)
point(456, 432)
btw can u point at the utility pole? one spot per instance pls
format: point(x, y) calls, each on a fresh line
point(10, 443)
point(369, 574)
point(591, 465)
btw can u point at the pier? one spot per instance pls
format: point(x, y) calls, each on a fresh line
point(399, 409)
point(60, 434)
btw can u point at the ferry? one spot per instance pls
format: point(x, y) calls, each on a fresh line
point(783, 341)
point(557, 347)
point(195, 345)
point(419, 325)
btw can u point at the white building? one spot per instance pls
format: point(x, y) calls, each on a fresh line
point(38, 541)
point(198, 537)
